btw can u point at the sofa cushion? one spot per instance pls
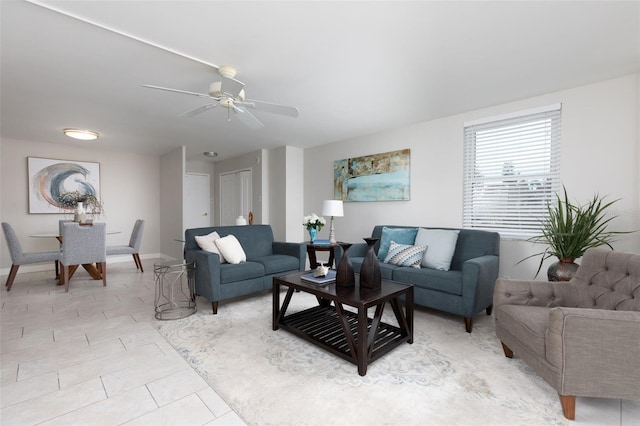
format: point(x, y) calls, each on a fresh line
point(231, 249)
point(230, 273)
point(277, 263)
point(432, 279)
point(528, 324)
point(399, 235)
point(208, 243)
point(441, 244)
point(405, 255)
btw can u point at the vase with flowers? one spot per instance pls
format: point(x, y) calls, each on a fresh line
point(81, 205)
point(313, 223)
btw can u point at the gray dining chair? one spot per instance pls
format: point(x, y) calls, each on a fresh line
point(81, 245)
point(134, 245)
point(19, 257)
point(60, 222)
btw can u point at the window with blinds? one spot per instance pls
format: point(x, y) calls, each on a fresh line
point(511, 171)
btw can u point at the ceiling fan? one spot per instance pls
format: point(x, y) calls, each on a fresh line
point(229, 93)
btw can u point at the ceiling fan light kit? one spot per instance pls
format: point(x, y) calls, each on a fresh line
point(85, 135)
point(229, 94)
point(215, 91)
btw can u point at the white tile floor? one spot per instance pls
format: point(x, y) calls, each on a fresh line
point(92, 357)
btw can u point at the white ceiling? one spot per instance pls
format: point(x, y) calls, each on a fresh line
point(352, 68)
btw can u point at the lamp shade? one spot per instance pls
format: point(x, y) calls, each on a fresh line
point(332, 208)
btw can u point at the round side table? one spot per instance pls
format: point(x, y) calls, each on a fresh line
point(313, 248)
point(175, 289)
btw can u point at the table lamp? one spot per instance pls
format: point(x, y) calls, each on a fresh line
point(332, 208)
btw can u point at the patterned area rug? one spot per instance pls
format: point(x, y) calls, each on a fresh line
point(446, 376)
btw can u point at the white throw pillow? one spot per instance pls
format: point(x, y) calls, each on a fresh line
point(208, 243)
point(441, 244)
point(231, 249)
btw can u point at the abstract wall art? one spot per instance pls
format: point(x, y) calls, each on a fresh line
point(53, 182)
point(376, 177)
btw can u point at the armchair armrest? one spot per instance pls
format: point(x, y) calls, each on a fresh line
point(597, 351)
point(534, 293)
point(297, 250)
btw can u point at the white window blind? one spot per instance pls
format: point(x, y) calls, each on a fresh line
point(511, 171)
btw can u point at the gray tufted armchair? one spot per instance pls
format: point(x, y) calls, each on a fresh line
point(581, 337)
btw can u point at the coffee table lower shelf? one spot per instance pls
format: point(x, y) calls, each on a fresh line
point(322, 326)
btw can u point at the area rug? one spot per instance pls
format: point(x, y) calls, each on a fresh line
point(446, 377)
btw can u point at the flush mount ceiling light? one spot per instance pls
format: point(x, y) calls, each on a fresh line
point(85, 135)
point(210, 154)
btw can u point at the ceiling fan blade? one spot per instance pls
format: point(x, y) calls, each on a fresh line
point(272, 108)
point(198, 110)
point(185, 92)
point(247, 118)
point(231, 86)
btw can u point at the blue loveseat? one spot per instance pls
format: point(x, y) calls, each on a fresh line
point(266, 259)
point(465, 289)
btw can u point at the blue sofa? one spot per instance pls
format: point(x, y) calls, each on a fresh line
point(266, 259)
point(465, 289)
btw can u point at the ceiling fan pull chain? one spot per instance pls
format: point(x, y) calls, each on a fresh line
point(229, 114)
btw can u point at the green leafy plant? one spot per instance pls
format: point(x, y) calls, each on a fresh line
point(571, 229)
point(69, 200)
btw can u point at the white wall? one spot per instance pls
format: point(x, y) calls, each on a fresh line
point(294, 190)
point(129, 188)
point(599, 153)
point(285, 166)
point(172, 171)
point(277, 200)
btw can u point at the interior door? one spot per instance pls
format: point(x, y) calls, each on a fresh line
point(244, 192)
point(235, 196)
point(197, 202)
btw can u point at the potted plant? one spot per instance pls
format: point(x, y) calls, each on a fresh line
point(570, 230)
point(81, 204)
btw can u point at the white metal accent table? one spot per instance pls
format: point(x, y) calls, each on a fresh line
point(175, 289)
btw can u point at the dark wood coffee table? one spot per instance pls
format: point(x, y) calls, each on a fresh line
point(332, 327)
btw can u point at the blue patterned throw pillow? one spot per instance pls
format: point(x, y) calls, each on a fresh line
point(404, 255)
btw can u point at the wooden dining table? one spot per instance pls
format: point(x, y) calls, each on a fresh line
point(91, 268)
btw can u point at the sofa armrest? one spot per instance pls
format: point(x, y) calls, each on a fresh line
point(297, 250)
point(207, 278)
point(478, 279)
point(596, 350)
point(534, 293)
point(356, 250)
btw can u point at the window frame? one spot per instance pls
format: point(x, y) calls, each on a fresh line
point(493, 149)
